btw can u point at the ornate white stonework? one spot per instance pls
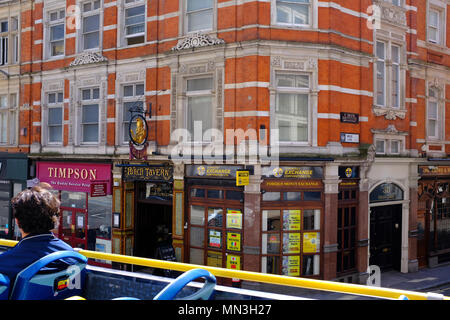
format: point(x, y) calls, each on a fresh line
point(197, 40)
point(389, 113)
point(87, 58)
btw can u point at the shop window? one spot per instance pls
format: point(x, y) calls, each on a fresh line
point(346, 230)
point(218, 242)
point(197, 193)
point(292, 196)
point(5, 197)
point(312, 196)
point(291, 239)
point(235, 195)
point(73, 199)
point(271, 196)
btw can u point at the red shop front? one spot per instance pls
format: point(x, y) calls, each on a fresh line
point(84, 190)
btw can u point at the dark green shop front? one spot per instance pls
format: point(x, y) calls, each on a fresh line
point(13, 179)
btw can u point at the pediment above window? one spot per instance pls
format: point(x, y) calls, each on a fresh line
point(87, 58)
point(389, 113)
point(197, 40)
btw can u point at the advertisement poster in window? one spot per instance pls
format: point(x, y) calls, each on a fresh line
point(233, 262)
point(215, 239)
point(233, 241)
point(291, 220)
point(291, 243)
point(311, 242)
point(234, 219)
point(291, 266)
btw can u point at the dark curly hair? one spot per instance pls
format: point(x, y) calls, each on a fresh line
point(36, 209)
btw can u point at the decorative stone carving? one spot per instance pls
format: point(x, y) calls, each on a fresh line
point(391, 13)
point(197, 40)
point(87, 58)
point(391, 129)
point(389, 113)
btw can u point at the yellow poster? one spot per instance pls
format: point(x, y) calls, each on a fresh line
point(291, 243)
point(233, 241)
point(291, 266)
point(291, 220)
point(234, 219)
point(233, 262)
point(311, 242)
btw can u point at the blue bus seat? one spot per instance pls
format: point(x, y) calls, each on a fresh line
point(30, 285)
point(4, 287)
point(171, 290)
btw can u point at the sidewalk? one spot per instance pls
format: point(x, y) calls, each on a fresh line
point(422, 281)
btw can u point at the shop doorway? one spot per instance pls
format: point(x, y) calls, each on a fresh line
point(153, 228)
point(73, 227)
point(385, 236)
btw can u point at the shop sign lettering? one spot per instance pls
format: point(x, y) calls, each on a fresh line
point(212, 171)
point(293, 172)
point(147, 173)
point(434, 170)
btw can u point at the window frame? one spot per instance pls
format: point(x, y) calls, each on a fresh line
point(129, 99)
point(49, 43)
point(199, 93)
point(439, 127)
point(98, 11)
point(295, 91)
point(438, 27)
point(10, 112)
point(223, 203)
point(50, 105)
point(11, 38)
point(89, 102)
point(129, 5)
point(312, 15)
point(185, 26)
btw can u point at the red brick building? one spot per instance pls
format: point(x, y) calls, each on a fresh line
point(357, 92)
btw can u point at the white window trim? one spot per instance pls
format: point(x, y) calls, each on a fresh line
point(313, 17)
point(388, 71)
point(11, 112)
point(47, 33)
point(294, 91)
point(440, 127)
point(199, 93)
point(440, 8)
point(13, 50)
point(388, 139)
point(50, 106)
point(122, 10)
point(124, 99)
point(80, 120)
point(184, 22)
point(99, 11)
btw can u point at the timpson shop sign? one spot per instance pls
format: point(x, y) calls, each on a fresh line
point(77, 177)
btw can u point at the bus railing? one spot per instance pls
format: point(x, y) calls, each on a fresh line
point(305, 283)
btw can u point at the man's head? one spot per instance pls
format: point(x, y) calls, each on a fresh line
point(36, 209)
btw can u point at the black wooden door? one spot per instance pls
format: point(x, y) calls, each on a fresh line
point(385, 236)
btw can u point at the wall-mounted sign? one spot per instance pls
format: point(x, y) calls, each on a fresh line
point(206, 171)
point(348, 172)
point(142, 173)
point(233, 262)
point(347, 117)
point(292, 183)
point(76, 177)
point(386, 192)
point(349, 137)
point(242, 178)
point(233, 241)
point(293, 172)
point(98, 189)
point(311, 242)
point(434, 170)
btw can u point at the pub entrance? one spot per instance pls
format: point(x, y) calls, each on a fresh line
point(385, 236)
point(153, 220)
point(386, 226)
